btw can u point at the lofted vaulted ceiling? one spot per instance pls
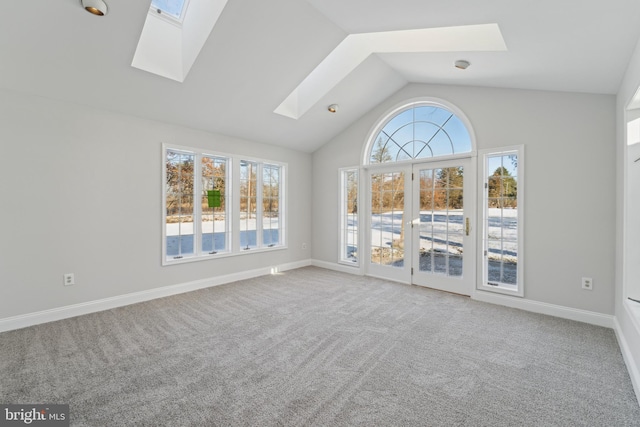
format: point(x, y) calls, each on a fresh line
point(260, 51)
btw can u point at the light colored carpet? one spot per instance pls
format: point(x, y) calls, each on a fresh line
point(317, 347)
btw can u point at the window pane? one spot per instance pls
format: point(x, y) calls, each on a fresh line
point(349, 213)
point(510, 272)
point(426, 254)
point(248, 204)
point(418, 132)
point(501, 220)
point(455, 265)
point(271, 205)
point(440, 249)
point(170, 7)
point(387, 210)
point(426, 220)
point(214, 205)
point(442, 221)
point(179, 203)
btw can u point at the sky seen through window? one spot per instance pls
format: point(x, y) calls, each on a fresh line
point(172, 8)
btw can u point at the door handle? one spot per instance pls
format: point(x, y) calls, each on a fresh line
point(467, 227)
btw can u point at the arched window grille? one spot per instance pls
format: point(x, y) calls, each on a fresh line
point(420, 131)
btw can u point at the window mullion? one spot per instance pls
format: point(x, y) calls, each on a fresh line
point(197, 204)
point(229, 213)
point(281, 205)
point(235, 220)
point(259, 206)
point(180, 193)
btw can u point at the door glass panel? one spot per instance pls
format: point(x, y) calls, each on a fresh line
point(455, 265)
point(439, 253)
point(441, 221)
point(387, 219)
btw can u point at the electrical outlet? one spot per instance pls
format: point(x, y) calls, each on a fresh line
point(69, 279)
point(587, 283)
point(304, 246)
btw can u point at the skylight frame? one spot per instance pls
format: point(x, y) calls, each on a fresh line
point(167, 16)
point(168, 48)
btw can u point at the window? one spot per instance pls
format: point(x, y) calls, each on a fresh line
point(215, 224)
point(248, 204)
point(180, 209)
point(420, 131)
point(271, 205)
point(632, 210)
point(172, 8)
point(260, 219)
point(200, 216)
point(349, 216)
point(502, 222)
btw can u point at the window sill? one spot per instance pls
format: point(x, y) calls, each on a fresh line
point(353, 264)
point(501, 289)
point(211, 257)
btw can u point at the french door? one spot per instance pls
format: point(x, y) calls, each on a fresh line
point(421, 224)
point(444, 206)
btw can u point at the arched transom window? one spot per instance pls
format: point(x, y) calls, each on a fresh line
point(420, 131)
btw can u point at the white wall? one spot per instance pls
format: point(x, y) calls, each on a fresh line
point(628, 320)
point(570, 184)
point(68, 173)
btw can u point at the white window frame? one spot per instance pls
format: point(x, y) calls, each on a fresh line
point(482, 277)
point(631, 284)
point(232, 214)
point(406, 105)
point(228, 203)
point(260, 245)
point(343, 240)
point(165, 16)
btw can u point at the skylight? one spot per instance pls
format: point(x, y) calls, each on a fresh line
point(172, 39)
point(172, 8)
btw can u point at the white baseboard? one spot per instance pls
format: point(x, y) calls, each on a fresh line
point(629, 360)
point(585, 316)
point(563, 312)
point(343, 268)
point(30, 319)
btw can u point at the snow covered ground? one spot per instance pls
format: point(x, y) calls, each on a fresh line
point(180, 235)
point(443, 231)
point(175, 229)
point(441, 235)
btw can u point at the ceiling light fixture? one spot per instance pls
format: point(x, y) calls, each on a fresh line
point(96, 7)
point(332, 108)
point(462, 64)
